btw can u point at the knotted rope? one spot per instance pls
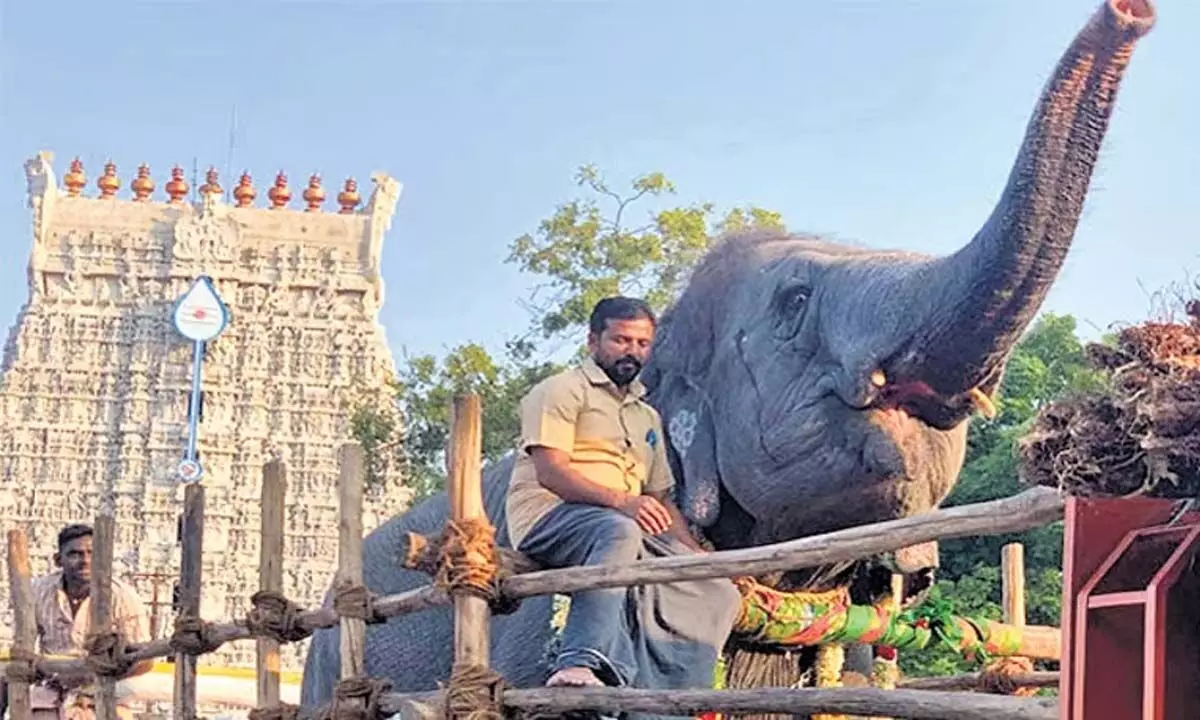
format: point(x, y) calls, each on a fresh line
point(997, 677)
point(275, 617)
point(282, 711)
point(475, 693)
point(351, 600)
point(193, 636)
point(419, 554)
point(23, 667)
point(358, 699)
point(471, 564)
point(107, 655)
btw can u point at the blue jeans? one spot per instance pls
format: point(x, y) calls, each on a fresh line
point(663, 636)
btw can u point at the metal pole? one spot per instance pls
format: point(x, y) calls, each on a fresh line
point(199, 316)
point(194, 411)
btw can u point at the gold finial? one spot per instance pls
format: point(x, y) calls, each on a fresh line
point(142, 185)
point(75, 180)
point(244, 192)
point(177, 187)
point(108, 183)
point(212, 185)
point(279, 193)
point(348, 198)
point(314, 195)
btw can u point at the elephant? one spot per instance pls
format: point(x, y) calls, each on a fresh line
point(808, 386)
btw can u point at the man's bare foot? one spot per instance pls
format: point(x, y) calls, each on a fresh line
point(574, 677)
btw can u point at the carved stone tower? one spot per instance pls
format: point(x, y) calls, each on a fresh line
point(94, 381)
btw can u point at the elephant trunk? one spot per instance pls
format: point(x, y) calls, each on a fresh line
point(980, 299)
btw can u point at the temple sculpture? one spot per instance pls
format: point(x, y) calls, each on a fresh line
point(95, 379)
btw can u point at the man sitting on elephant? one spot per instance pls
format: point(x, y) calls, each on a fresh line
point(591, 486)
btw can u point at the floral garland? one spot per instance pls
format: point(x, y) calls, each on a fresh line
point(830, 620)
point(795, 619)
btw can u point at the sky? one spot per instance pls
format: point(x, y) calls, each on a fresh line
point(884, 123)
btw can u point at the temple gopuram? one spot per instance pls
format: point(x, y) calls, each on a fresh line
point(95, 379)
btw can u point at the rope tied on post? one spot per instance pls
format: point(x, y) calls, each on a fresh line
point(282, 711)
point(358, 698)
point(475, 693)
point(419, 554)
point(276, 617)
point(23, 667)
point(107, 655)
point(193, 636)
point(351, 600)
point(470, 563)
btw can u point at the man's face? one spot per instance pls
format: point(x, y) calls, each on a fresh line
point(623, 348)
point(75, 559)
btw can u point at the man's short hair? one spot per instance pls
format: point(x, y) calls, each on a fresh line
point(73, 532)
point(619, 308)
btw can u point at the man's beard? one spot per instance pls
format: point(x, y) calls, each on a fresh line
point(622, 370)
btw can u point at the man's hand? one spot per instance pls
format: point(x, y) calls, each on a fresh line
point(649, 513)
point(678, 525)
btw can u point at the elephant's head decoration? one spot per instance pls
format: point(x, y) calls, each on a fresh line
point(808, 386)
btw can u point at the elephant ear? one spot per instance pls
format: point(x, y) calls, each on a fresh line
point(691, 442)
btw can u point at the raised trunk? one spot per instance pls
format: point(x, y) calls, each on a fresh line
point(982, 298)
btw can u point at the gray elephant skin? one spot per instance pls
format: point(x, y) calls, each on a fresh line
point(808, 386)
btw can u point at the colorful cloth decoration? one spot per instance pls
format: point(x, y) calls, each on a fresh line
point(792, 619)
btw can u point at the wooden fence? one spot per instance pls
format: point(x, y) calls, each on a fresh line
point(471, 577)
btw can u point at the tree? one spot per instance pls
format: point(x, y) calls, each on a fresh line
point(426, 387)
point(585, 254)
point(582, 252)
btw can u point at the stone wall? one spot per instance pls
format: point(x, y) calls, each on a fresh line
point(94, 381)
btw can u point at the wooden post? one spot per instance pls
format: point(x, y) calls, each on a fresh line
point(350, 568)
point(101, 603)
point(471, 614)
point(1012, 597)
point(20, 587)
point(189, 596)
point(270, 574)
point(1012, 574)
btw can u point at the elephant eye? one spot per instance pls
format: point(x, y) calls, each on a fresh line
point(790, 303)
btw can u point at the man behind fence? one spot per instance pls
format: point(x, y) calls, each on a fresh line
point(63, 611)
point(591, 486)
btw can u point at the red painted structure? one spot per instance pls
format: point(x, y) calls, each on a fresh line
point(1131, 612)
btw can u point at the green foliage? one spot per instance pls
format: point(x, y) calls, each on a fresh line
point(377, 431)
point(426, 388)
point(586, 253)
point(582, 252)
point(1047, 364)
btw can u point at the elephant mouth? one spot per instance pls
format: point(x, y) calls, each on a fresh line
point(918, 399)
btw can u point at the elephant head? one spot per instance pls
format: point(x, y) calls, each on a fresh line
point(807, 386)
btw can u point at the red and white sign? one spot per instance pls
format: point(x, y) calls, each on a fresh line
point(200, 315)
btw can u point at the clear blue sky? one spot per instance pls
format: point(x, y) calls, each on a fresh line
point(888, 123)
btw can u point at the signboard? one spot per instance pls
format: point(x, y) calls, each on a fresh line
point(200, 315)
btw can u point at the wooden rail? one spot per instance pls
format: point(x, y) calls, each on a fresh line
point(1030, 509)
point(1027, 510)
point(902, 703)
